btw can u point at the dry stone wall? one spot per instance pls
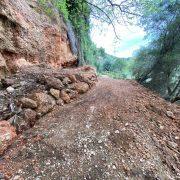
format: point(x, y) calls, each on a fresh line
point(35, 91)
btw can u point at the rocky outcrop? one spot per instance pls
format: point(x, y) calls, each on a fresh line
point(28, 35)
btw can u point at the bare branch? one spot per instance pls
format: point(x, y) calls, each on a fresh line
point(111, 21)
point(122, 10)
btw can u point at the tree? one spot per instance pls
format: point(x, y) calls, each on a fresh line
point(163, 27)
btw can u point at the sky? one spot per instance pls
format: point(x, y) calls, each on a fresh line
point(131, 38)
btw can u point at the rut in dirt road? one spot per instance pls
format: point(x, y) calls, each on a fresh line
point(118, 130)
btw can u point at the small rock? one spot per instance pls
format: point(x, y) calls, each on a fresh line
point(170, 114)
point(71, 86)
point(177, 137)
point(172, 144)
point(65, 97)
point(161, 127)
point(127, 124)
point(16, 177)
point(17, 85)
point(99, 141)
point(2, 176)
point(117, 132)
point(54, 83)
point(73, 78)
point(12, 120)
point(81, 87)
point(28, 103)
point(30, 115)
point(7, 82)
point(72, 94)
point(55, 93)
point(20, 123)
point(23, 83)
point(60, 102)
point(148, 80)
point(10, 89)
point(66, 81)
point(148, 155)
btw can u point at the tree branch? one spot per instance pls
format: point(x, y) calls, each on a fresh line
point(111, 21)
point(122, 10)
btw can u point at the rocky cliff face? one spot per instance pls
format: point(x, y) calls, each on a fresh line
point(29, 36)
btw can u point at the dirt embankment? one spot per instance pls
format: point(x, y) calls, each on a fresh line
point(118, 130)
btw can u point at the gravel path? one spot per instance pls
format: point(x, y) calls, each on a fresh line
point(118, 130)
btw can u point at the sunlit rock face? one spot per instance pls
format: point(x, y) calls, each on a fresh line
point(30, 36)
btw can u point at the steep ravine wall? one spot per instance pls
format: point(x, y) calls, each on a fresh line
point(29, 36)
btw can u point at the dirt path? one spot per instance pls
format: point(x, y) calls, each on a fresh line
point(117, 130)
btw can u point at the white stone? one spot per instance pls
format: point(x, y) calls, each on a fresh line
point(127, 124)
point(170, 114)
point(117, 131)
point(148, 80)
point(99, 141)
point(10, 89)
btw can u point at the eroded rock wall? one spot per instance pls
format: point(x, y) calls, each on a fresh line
point(28, 35)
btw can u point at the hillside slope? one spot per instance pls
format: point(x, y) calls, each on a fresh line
point(117, 130)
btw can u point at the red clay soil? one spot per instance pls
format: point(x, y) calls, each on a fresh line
point(118, 130)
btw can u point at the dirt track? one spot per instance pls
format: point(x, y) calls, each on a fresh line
point(117, 130)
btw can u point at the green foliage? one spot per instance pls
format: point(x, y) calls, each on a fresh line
point(79, 15)
point(160, 60)
point(78, 12)
point(46, 7)
point(62, 6)
point(112, 66)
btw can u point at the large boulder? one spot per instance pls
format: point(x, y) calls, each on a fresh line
point(30, 116)
point(81, 87)
point(28, 103)
point(7, 134)
point(55, 93)
point(64, 96)
point(45, 102)
point(53, 82)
